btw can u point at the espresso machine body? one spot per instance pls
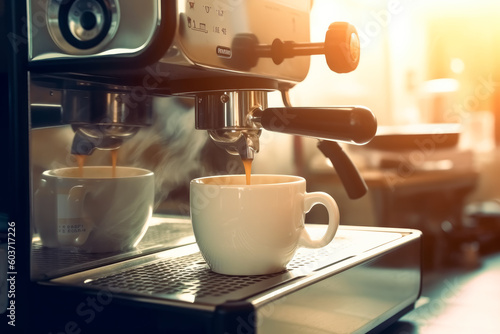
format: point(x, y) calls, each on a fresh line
point(98, 66)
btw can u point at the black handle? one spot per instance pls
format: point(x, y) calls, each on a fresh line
point(353, 183)
point(350, 124)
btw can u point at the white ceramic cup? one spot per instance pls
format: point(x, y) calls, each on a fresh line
point(96, 212)
point(255, 229)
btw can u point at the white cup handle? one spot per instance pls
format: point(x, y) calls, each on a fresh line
point(310, 200)
point(73, 227)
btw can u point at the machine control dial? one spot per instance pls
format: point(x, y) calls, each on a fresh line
point(80, 26)
point(86, 20)
point(341, 49)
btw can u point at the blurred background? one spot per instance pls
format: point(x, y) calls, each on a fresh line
point(430, 71)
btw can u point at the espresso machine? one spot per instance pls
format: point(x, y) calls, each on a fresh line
point(97, 66)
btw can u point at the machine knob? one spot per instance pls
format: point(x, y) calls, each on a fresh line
point(82, 26)
point(341, 48)
point(88, 21)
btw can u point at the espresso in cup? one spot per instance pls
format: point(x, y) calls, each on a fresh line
point(94, 209)
point(255, 229)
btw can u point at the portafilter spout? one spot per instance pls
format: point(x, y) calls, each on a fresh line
point(244, 143)
point(89, 137)
point(227, 115)
point(104, 119)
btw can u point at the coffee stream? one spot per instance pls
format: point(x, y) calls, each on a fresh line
point(81, 162)
point(247, 163)
point(80, 159)
point(114, 158)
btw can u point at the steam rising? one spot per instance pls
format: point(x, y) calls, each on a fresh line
point(171, 147)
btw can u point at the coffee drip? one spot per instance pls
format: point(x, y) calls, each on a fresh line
point(114, 159)
point(80, 159)
point(247, 163)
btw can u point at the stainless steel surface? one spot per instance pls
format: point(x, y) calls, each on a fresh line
point(244, 143)
point(182, 274)
point(104, 119)
point(363, 278)
point(203, 38)
point(91, 106)
point(202, 30)
point(228, 117)
point(89, 138)
point(207, 49)
point(231, 110)
point(208, 25)
point(133, 25)
point(163, 233)
point(354, 300)
point(87, 27)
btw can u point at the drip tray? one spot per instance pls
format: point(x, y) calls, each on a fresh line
point(181, 274)
point(163, 233)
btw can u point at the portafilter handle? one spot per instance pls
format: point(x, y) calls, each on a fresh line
point(350, 124)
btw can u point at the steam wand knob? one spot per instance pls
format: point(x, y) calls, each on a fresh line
point(341, 48)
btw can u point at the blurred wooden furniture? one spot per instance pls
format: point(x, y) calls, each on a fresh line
point(431, 201)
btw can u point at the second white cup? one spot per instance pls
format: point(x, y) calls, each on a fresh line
point(94, 212)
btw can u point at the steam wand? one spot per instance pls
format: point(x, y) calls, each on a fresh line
point(349, 175)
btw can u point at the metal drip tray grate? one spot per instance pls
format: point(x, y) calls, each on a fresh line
point(178, 276)
point(163, 233)
point(182, 274)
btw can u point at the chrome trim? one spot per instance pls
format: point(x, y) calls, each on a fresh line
point(181, 274)
point(53, 26)
point(43, 46)
point(408, 235)
point(229, 110)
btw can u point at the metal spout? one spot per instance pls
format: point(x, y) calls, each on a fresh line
point(227, 116)
point(244, 143)
point(103, 119)
point(88, 138)
point(83, 145)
